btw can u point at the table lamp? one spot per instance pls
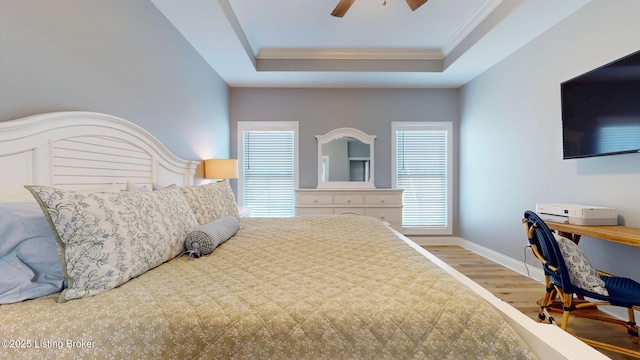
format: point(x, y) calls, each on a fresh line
point(220, 169)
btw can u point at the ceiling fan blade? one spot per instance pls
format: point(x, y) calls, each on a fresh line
point(414, 4)
point(342, 8)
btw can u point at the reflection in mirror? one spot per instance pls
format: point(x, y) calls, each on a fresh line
point(345, 159)
point(325, 169)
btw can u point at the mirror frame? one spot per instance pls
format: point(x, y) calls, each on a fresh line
point(339, 133)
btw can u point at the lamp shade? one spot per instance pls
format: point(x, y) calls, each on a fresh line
point(220, 169)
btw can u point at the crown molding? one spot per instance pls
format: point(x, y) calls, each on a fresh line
point(485, 10)
point(238, 15)
point(348, 54)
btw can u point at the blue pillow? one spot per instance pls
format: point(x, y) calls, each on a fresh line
point(29, 263)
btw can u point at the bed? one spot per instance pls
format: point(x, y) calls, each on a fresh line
point(339, 287)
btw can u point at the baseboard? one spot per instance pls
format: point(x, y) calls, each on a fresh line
point(518, 266)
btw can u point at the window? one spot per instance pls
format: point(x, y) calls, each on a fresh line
point(267, 161)
point(422, 167)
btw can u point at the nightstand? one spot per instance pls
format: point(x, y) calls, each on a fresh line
point(244, 211)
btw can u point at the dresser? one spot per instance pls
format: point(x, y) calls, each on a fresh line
point(383, 204)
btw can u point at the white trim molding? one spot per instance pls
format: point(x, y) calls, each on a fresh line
point(518, 266)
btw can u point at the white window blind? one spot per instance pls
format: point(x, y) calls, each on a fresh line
point(268, 169)
point(422, 168)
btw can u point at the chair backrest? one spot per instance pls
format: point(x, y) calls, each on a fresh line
point(540, 236)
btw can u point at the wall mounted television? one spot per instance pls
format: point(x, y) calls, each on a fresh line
point(601, 110)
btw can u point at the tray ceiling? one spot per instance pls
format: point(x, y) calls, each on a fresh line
point(286, 43)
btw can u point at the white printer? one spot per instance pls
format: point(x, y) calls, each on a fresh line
point(577, 214)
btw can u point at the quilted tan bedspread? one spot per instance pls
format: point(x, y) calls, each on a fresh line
point(320, 287)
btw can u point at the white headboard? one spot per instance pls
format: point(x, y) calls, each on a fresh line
point(80, 150)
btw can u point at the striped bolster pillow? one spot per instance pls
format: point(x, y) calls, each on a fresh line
point(205, 238)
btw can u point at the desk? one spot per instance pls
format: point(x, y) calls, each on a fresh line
point(615, 233)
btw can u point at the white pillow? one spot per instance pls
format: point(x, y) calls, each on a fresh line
point(107, 238)
point(103, 188)
point(131, 186)
point(581, 273)
point(24, 196)
point(211, 201)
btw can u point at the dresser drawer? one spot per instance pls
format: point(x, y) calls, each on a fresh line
point(314, 211)
point(314, 199)
point(382, 199)
point(391, 215)
point(382, 204)
point(348, 199)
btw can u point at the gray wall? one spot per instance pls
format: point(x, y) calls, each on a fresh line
point(120, 57)
point(511, 138)
point(338, 154)
point(321, 110)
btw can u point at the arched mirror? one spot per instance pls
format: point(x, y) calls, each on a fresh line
point(345, 159)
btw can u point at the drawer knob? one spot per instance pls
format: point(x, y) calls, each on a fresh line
point(382, 201)
point(315, 201)
point(381, 216)
point(349, 201)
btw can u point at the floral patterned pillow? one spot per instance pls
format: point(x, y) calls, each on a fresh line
point(581, 272)
point(107, 238)
point(211, 201)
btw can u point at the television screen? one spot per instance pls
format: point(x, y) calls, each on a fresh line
point(601, 110)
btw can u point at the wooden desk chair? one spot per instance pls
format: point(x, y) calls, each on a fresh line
point(568, 274)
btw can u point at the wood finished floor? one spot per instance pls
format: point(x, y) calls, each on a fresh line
point(522, 292)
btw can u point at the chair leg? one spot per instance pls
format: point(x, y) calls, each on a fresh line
point(567, 307)
point(549, 296)
point(632, 327)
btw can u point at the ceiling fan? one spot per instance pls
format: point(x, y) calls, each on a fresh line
point(344, 5)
